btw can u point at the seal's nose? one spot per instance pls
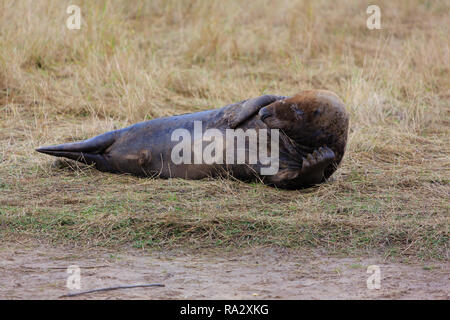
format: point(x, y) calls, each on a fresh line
point(264, 114)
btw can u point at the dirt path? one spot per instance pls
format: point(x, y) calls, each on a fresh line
point(39, 272)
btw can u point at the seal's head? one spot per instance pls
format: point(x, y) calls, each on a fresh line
point(311, 119)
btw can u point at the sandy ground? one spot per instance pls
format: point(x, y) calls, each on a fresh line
point(40, 272)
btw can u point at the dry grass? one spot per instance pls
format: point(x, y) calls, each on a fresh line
point(139, 60)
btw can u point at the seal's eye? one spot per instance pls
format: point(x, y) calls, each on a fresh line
point(297, 112)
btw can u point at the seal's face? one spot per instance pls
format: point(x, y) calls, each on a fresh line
point(311, 118)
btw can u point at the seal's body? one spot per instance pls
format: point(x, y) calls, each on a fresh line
point(312, 125)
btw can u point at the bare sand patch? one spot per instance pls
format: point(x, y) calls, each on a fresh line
point(39, 272)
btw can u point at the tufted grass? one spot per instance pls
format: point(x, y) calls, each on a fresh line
point(133, 61)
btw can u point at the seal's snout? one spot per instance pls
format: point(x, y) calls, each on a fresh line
point(264, 114)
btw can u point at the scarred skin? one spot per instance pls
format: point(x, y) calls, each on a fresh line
point(313, 128)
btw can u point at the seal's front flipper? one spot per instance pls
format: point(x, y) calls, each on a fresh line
point(90, 151)
point(314, 165)
point(250, 108)
point(311, 173)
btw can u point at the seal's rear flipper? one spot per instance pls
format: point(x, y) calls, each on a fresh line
point(89, 151)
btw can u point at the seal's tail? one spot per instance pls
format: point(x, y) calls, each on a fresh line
point(88, 151)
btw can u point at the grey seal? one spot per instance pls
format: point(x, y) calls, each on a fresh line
point(312, 126)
